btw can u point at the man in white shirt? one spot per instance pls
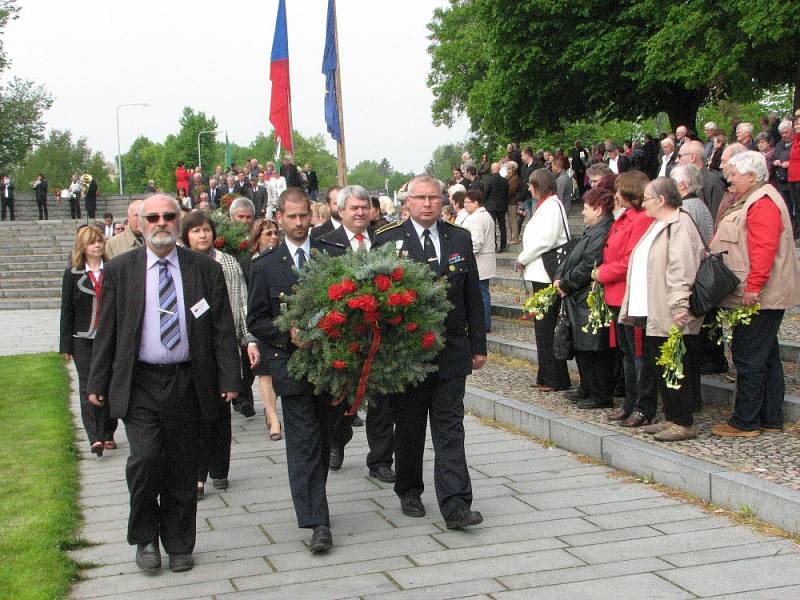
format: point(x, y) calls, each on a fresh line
point(668, 158)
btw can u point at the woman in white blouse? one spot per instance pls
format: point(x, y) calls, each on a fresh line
point(546, 230)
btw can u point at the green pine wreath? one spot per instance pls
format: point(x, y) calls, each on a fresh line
point(373, 323)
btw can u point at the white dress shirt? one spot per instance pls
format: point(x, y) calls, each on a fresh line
point(293, 248)
point(434, 237)
point(354, 242)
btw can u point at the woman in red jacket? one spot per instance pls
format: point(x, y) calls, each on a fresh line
point(182, 178)
point(794, 169)
point(640, 378)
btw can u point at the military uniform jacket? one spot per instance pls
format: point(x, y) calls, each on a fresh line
point(465, 330)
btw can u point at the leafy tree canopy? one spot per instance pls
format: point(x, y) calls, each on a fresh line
point(378, 176)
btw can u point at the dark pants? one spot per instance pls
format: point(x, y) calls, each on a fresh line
point(75, 207)
point(597, 374)
point(308, 449)
point(163, 430)
point(759, 373)
point(246, 389)
point(215, 448)
point(678, 404)
point(41, 204)
point(551, 373)
point(487, 302)
point(380, 431)
point(580, 179)
point(499, 217)
point(794, 195)
point(641, 388)
point(99, 426)
point(444, 400)
point(8, 205)
point(91, 207)
point(712, 354)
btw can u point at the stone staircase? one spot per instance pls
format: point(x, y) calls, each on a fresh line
point(25, 208)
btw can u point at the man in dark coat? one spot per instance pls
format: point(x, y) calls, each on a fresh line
point(496, 201)
point(40, 192)
point(164, 358)
point(7, 195)
point(527, 167)
point(354, 234)
point(290, 172)
point(258, 196)
point(312, 182)
point(447, 249)
point(306, 416)
point(333, 222)
point(90, 195)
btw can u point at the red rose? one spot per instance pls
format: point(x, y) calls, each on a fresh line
point(338, 364)
point(411, 295)
point(400, 299)
point(335, 292)
point(354, 347)
point(348, 287)
point(397, 274)
point(382, 282)
point(396, 320)
point(411, 327)
point(219, 242)
point(365, 302)
point(428, 340)
point(371, 316)
point(334, 333)
point(331, 320)
point(243, 245)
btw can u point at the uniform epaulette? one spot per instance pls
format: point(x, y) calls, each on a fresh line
point(389, 226)
point(455, 225)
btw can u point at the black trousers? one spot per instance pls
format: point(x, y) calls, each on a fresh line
point(580, 179)
point(41, 204)
point(597, 374)
point(712, 355)
point(444, 400)
point(8, 205)
point(163, 430)
point(551, 373)
point(380, 432)
point(306, 424)
point(215, 448)
point(91, 207)
point(678, 404)
point(246, 388)
point(499, 217)
point(641, 388)
point(99, 426)
point(75, 207)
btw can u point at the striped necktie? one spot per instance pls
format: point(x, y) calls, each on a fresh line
point(169, 324)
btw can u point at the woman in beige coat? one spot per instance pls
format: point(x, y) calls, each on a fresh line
point(661, 273)
point(481, 227)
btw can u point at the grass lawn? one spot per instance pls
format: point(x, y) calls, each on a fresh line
point(38, 494)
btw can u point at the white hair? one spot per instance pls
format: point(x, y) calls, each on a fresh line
point(748, 127)
point(387, 206)
point(688, 175)
point(456, 188)
point(785, 125)
point(710, 125)
point(351, 191)
point(175, 203)
point(242, 203)
point(668, 140)
point(750, 162)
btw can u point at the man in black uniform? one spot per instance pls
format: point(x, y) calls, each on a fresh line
point(353, 203)
point(447, 248)
point(305, 415)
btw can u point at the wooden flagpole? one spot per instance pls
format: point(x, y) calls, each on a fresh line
point(341, 157)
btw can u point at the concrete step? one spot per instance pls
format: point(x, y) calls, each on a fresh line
point(52, 283)
point(32, 292)
point(34, 259)
point(56, 274)
point(29, 303)
point(28, 266)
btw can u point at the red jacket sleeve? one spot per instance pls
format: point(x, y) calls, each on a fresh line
point(617, 269)
point(764, 228)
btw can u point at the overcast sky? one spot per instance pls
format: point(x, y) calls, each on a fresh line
point(214, 57)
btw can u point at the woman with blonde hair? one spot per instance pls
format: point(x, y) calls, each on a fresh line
point(81, 292)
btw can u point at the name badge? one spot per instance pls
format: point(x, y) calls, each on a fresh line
point(199, 309)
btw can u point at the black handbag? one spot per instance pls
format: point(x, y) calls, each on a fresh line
point(553, 258)
point(713, 281)
point(562, 337)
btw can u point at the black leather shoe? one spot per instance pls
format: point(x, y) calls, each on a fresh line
point(383, 473)
point(574, 396)
point(148, 557)
point(594, 403)
point(247, 410)
point(463, 519)
point(357, 421)
point(221, 484)
point(337, 458)
point(321, 540)
point(412, 506)
point(180, 562)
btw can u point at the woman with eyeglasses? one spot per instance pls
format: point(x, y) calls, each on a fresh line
point(198, 234)
point(263, 238)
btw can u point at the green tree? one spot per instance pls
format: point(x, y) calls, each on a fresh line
point(139, 164)
point(312, 150)
point(368, 174)
point(58, 157)
point(445, 158)
point(22, 106)
point(518, 68)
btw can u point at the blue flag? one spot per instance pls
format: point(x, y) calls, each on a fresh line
point(329, 59)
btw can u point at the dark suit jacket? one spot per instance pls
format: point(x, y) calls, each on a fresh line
point(271, 275)
point(213, 350)
point(318, 232)
point(292, 175)
point(496, 193)
point(78, 308)
point(10, 188)
point(335, 242)
point(465, 330)
point(219, 192)
point(259, 197)
point(623, 163)
point(312, 181)
point(91, 192)
point(40, 190)
point(242, 190)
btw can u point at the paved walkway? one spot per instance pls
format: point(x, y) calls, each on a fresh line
point(554, 528)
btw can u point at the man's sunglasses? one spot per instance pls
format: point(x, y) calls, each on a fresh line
point(168, 216)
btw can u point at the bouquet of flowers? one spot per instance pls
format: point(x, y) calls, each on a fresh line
point(537, 304)
point(232, 236)
point(599, 314)
point(671, 358)
point(371, 323)
point(728, 318)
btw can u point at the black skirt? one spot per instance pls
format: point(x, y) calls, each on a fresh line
point(262, 368)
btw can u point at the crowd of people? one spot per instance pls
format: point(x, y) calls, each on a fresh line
point(167, 332)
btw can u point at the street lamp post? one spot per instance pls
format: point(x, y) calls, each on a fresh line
point(199, 160)
point(119, 152)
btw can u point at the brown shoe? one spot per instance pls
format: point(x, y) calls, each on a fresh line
point(772, 429)
point(636, 419)
point(727, 430)
point(657, 427)
point(617, 415)
point(676, 433)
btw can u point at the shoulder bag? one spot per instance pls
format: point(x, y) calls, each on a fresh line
point(553, 258)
